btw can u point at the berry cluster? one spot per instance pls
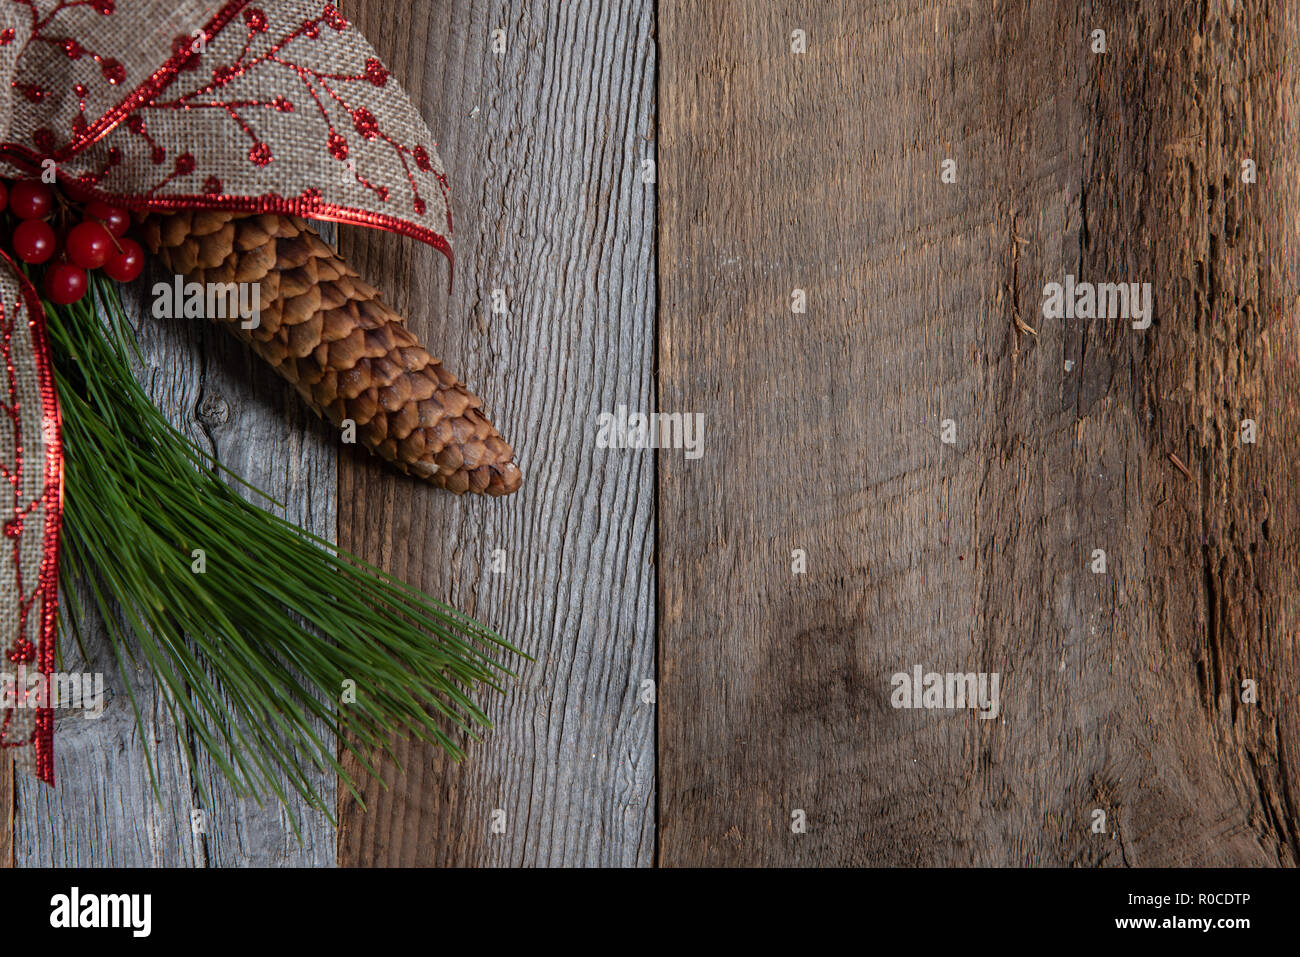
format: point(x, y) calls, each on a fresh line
point(46, 229)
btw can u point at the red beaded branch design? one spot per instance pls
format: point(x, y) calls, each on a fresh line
point(324, 90)
point(269, 47)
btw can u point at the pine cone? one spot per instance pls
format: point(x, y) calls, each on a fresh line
point(348, 354)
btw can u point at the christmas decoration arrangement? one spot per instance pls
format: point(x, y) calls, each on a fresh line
point(205, 136)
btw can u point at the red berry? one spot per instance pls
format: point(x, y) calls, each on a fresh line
point(89, 245)
point(30, 199)
point(4, 196)
point(114, 218)
point(65, 283)
point(33, 241)
point(127, 264)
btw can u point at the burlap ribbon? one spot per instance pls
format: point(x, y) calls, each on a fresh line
point(276, 106)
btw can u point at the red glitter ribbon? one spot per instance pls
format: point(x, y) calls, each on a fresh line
point(31, 505)
point(296, 115)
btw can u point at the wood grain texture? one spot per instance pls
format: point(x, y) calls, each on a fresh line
point(6, 814)
point(1120, 691)
point(103, 810)
point(543, 146)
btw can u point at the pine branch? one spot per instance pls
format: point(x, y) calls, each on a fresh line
point(241, 673)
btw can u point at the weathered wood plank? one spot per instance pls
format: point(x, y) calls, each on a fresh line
point(543, 146)
point(103, 810)
point(6, 813)
point(1120, 691)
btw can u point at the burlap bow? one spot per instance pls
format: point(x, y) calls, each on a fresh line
point(278, 106)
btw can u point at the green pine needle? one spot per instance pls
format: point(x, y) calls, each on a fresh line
point(252, 654)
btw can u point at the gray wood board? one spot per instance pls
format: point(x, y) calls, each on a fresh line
point(544, 146)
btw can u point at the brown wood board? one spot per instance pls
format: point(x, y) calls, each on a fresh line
point(1121, 692)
